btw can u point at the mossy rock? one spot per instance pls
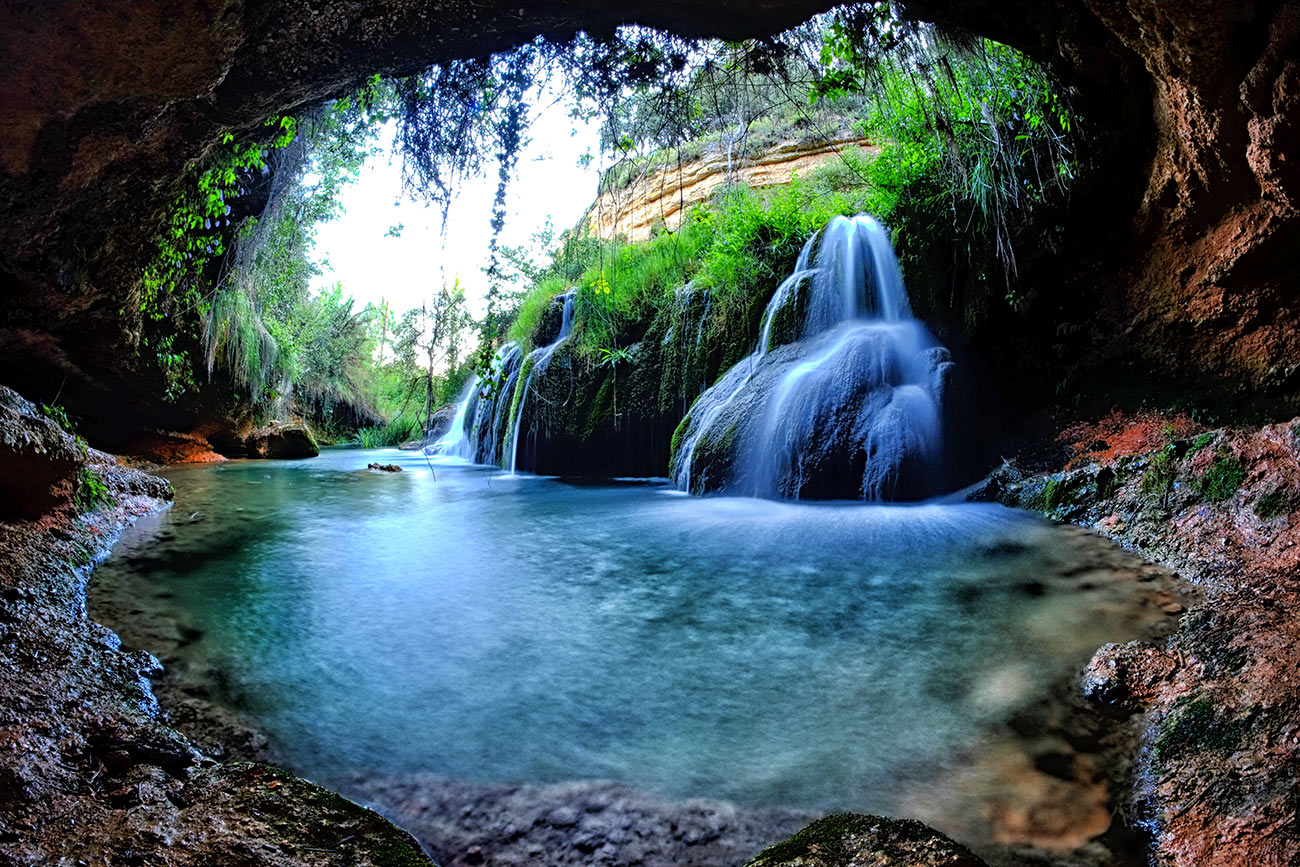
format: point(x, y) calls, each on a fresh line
point(1199, 725)
point(859, 840)
point(1223, 479)
point(298, 822)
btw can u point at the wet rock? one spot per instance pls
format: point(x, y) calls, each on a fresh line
point(385, 468)
point(1218, 694)
point(570, 824)
point(88, 766)
point(282, 440)
point(36, 455)
point(856, 840)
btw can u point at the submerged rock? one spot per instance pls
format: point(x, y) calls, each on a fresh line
point(573, 824)
point(282, 440)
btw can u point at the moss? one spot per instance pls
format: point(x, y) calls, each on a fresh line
point(1196, 726)
point(601, 411)
point(1273, 503)
point(842, 838)
point(676, 442)
point(1159, 474)
point(521, 385)
point(1201, 442)
point(1030, 496)
point(1223, 479)
point(712, 450)
point(307, 817)
point(1053, 495)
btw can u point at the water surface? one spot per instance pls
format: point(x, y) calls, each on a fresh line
point(521, 629)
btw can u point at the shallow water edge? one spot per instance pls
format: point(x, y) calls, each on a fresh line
point(1058, 740)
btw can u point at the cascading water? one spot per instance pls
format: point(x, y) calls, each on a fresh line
point(492, 411)
point(842, 397)
point(474, 434)
point(456, 441)
point(537, 362)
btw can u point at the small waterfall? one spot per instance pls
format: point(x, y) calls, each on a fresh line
point(491, 412)
point(537, 362)
point(843, 395)
point(457, 441)
point(475, 431)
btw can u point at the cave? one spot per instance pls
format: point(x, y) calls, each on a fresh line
point(1145, 387)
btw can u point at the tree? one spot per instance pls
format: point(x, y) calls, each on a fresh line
point(429, 337)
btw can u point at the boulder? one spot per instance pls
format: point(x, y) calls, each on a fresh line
point(282, 440)
point(857, 840)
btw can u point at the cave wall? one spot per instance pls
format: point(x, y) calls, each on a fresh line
point(1180, 279)
point(1183, 266)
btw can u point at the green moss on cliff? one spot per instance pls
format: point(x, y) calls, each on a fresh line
point(1197, 725)
point(1273, 503)
point(1223, 479)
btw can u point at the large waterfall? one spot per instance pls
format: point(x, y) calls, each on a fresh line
point(842, 397)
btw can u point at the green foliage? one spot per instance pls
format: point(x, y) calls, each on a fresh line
point(174, 285)
point(1197, 725)
point(59, 416)
point(394, 433)
point(278, 340)
point(1273, 503)
point(90, 491)
point(1222, 480)
point(533, 306)
point(977, 141)
point(1201, 442)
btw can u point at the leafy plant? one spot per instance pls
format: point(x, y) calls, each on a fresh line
point(90, 490)
point(59, 416)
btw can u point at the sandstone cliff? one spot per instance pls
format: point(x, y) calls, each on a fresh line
point(661, 194)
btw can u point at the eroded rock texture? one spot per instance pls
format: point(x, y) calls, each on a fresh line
point(1220, 765)
point(89, 768)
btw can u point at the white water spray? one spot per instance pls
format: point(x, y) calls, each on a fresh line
point(844, 393)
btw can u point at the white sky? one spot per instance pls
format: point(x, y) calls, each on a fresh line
point(404, 270)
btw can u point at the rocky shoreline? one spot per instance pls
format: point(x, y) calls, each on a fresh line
point(90, 770)
point(1218, 769)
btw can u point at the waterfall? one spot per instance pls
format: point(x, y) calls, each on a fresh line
point(475, 431)
point(537, 362)
point(843, 395)
point(491, 412)
point(457, 441)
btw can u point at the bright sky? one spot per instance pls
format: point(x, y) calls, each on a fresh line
point(404, 270)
